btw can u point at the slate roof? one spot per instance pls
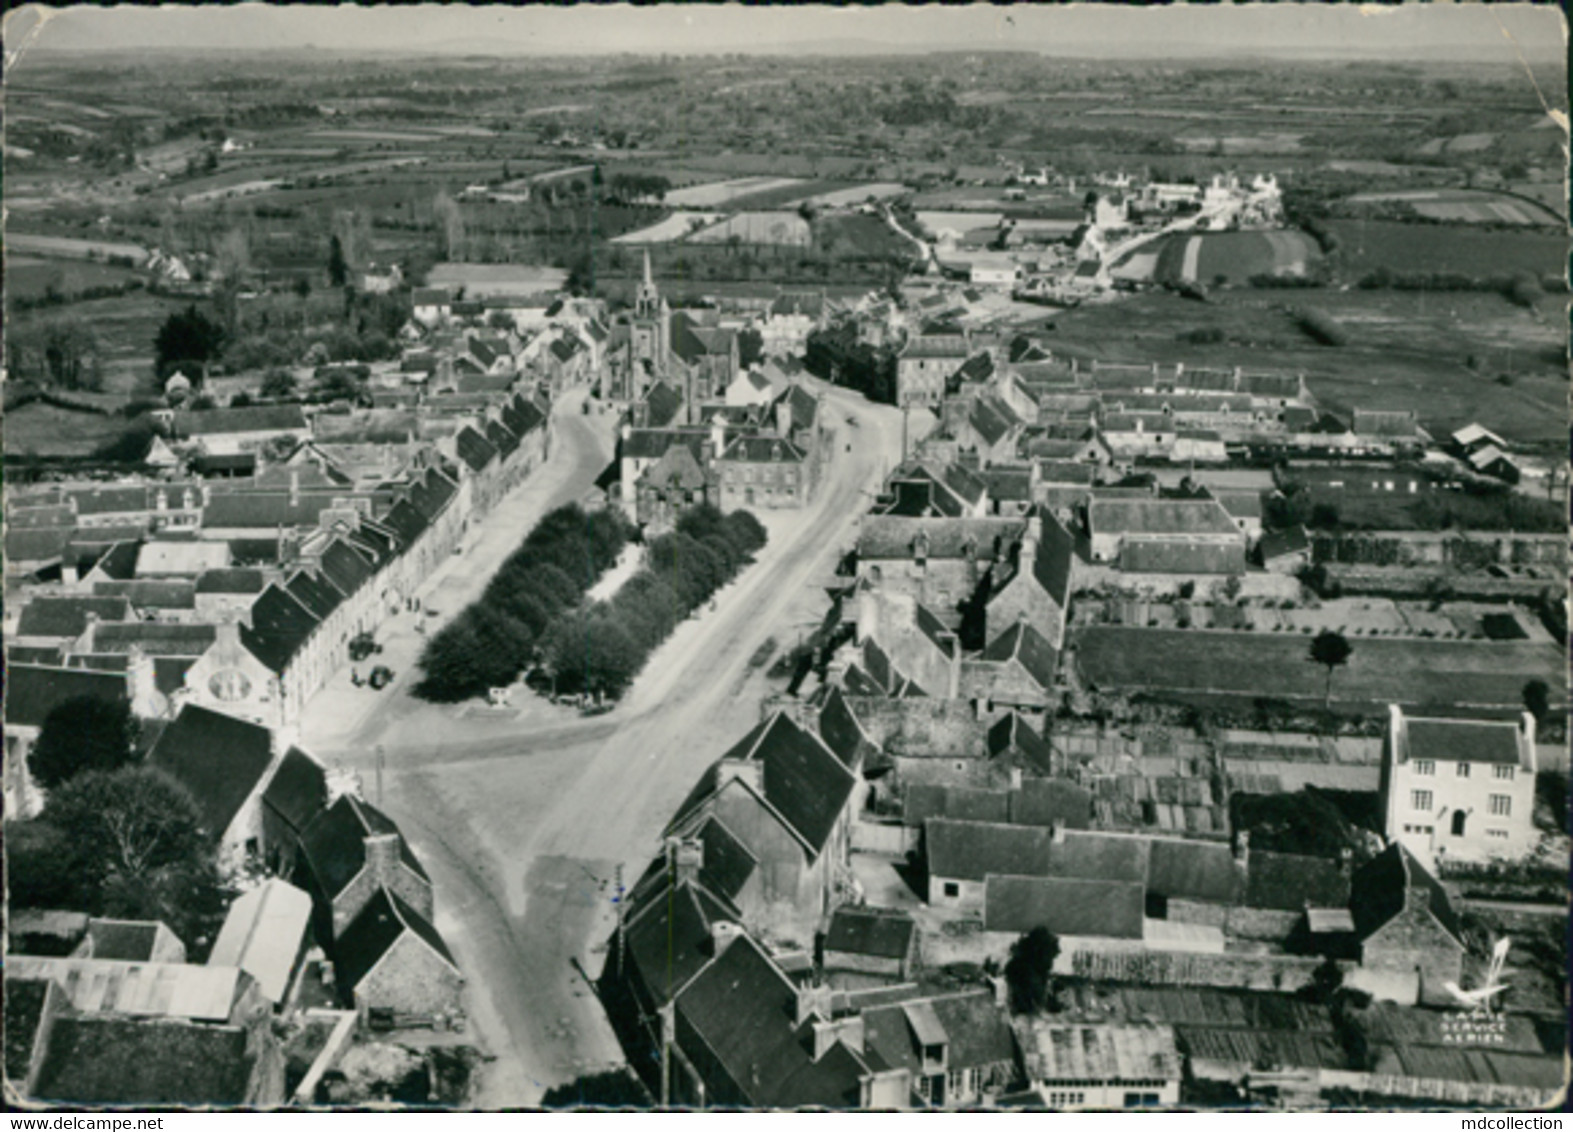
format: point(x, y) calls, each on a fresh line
point(1193, 870)
point(369, 936)
point(1011, 735)
point(151, 593)
point(894, 536)
point(676, 468)
point(219, 759)
point(123, 939)
point(972, 850)
point(346, 568)
point(35, 544)
point(230, 580)
point(668, 929)
point(109, 1060)
point(1012, 485)
point(922, 801)
point(871, 931)
point(763, 450)
point(1177, 556)
point(964, 482)
point(992, 420)
point(279, 627)
point(728, 862)
point(1028, 647)
point(319, 596)
point(251, 418)
point(501, 437)
point(936, 346)
point(662, 403)
point(1066, 906)
point(156, 638)
point(840, 730)
point(266, 509)
point(1377, 892)
point(804, 407)
point(68, 616)
point(1158, 517)
point(803, 780)
point(298, 791)
point(1462, 740)
point(740, 1011)
point(1047, 801)
point(33, 691)
point(1290, 882)
point(474, 449)
point(333, 845)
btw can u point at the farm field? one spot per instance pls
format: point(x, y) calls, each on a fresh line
point(70, 248)
point(1465, 206)
point(722, 192)
point(29, 277)
point(1234, 256)
point(960, 222)
point(674, 227)
point(1412, 672)
point(856, 194)
point(787, 195)
point(1366, 245)
point(38, 429)
point(854, 234)
point(787, 228)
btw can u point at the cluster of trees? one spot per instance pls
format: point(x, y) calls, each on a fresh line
point(835, 355)
point(115, 838)
point(1523, 288)
point(1320, 327)
point(187, 338)
point(500, 635)
point(61, 353)
point(632, 188)
point(599, 650)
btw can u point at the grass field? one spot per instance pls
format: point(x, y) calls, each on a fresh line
point(723, 192)
point(787, 228)
point(1465, 206)
point(1417, 673)
point(1234, 256)
point(1365, 245)
point(674, 227)
point(46, 430)
point(784, 195)
point(69, 248)
point(854, 234)
point(27, 277)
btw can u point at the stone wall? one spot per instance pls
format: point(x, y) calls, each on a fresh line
point(1174, 968)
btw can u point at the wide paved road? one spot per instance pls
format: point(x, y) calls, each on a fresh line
point(525, 818)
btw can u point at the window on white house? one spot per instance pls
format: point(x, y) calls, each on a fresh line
point(1503, 772)
point(1420, 799)
point(1425, 766)
point(952, 888)
point(1463, 770)
point(1501, 805)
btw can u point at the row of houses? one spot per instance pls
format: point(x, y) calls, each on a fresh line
point(245, 595)
point(339, 926)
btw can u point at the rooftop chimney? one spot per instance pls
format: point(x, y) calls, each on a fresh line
point(294, 487)
point(722, 933)
point(685, 856)
point(813, 1002)
point(748, 770)
point(382, 857)
point(1057, 832)
point(1242, 846)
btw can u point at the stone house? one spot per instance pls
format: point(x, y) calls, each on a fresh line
point(349, 853)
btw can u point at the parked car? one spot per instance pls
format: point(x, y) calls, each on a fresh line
point(381, 677)
point(363, 645)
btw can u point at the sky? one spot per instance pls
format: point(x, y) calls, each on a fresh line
point(1409, 31)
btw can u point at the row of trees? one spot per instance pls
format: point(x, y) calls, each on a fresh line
point(599, 650)
point(499, 635)
point(115, 838)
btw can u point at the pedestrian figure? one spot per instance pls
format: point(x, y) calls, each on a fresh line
point(355, 677)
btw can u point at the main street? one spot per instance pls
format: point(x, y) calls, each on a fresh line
point(526, 817)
